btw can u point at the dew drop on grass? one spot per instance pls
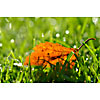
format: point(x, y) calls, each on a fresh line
point(1, 68)
point(42, 35)
point(12, 40)
point(32, 68)
point(57, 35)
point(21, 71)
point(0, 44)
point(76, 69)
point(0, 31)
point(86, 58)
point(96, 55)
point(9, 68)
point(67, 31)
point(74, 46)
point(90, 58)
point(64, 39)
point(30, 80)
point(10, 25)
point(88, 66)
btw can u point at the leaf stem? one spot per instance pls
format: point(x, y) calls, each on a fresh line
point(85, 43)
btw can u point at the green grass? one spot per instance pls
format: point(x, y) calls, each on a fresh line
point(19, 35)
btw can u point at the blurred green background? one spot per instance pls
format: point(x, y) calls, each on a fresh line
point(21, 34)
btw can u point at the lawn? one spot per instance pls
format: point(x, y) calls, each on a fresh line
point(18, 35)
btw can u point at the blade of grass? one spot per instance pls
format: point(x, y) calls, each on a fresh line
point(84, 25)
point(69, 56)
point(67, 61)
point(58, 41)
point(95, 58)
